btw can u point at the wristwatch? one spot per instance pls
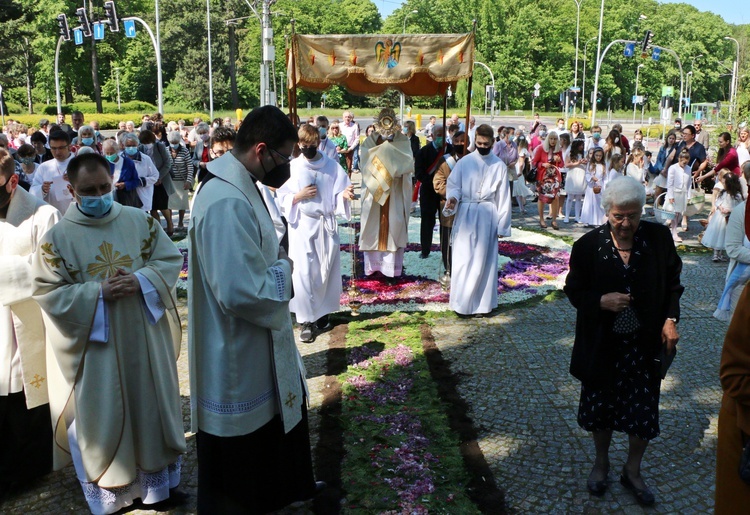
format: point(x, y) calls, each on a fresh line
point(673, 320)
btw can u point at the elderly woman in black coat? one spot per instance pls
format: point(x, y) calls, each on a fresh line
point(624, 281)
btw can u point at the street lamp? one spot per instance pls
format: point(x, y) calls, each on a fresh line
point(414, 11)
point(402, 97)
point(210, 70)
point(734, 80)
point(689, 92)
point(575, 79)
point(583, 83)
point(635, 96)
point(492, 104)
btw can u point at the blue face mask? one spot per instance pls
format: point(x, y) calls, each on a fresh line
point(438, 142)
point(131, 151)
point(175, 145)
point(96, 207)
point(27, 160)
point(322, 131)
point(87, 141)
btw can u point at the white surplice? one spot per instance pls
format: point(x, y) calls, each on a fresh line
point(22, 344)
point(148, 174)
point(313, 235)
point(480, 184)
point(53, 171)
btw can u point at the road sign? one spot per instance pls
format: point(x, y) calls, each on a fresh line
point(575, 89)
point(638, 99)
point(656, 53)
point(129, 26)
point(98, 31)
point(537, 86)
point(629, 50)
point(536, 93)
point(78, 36)
point(667, 91)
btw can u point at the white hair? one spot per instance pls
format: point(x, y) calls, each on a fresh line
point(623, 191)
point(174, 137)
point(86, 128)
point(128, 136)
point(85, 150)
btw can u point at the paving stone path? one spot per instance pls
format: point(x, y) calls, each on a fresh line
point(514, 374)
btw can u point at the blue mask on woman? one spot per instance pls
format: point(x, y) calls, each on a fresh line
point(96, 207)
point(87, 141)
point(131, 151)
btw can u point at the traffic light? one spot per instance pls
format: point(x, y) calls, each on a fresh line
point(111, 14)
point(646, 43)
point(83, 19)
point(599, 97)
point(62, 24)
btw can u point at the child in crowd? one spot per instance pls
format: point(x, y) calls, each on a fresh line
point(592, 212)
point(575, 182)
point(616, 167)
point(727, 194)
point(679, 183)
point(520, 189)
point(317, 191)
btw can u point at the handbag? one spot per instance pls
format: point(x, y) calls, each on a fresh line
point(529, 172)
point(626, 322)
point(597, 189)
point(663, 361)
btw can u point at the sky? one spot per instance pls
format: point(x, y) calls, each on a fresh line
point(727, 9)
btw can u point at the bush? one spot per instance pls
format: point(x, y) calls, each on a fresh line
point(107, 121)
point(13, 108)
point(134, 106)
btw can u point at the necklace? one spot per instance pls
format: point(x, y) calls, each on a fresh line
point(615, 245)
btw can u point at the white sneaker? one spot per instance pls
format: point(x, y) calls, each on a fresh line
point(566, 220)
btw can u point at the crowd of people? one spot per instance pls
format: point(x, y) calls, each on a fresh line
point(90, 264)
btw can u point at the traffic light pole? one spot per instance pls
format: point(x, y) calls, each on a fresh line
point(157, 50)
point(57, 75)
point(596, 76)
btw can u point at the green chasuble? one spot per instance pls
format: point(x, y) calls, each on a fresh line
point(123, 393)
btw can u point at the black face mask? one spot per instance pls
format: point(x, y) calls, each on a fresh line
point(459, 149)
point(308, 152)
point(276, 176)
point(483, 151)
point(4, 196)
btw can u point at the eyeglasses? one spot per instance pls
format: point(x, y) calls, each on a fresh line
point(620, 218)
point(287, 159)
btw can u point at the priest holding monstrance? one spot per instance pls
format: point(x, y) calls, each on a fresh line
point(387, 165)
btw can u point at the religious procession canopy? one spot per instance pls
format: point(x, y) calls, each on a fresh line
point(415, 64)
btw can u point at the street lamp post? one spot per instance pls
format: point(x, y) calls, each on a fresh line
point(575, 76)
point(733, 102)
point(117, 82)
point(210, 70)
point(492, 105)
point(598, 62)
point(402, 97)
point(583, 82)
point(635, 96)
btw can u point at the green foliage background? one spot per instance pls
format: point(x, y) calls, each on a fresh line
point(523, 42)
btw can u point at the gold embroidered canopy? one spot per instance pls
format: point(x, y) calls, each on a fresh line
point(415, 64)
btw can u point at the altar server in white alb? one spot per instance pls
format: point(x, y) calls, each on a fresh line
point(25, 426)
point(103, 277)
point(478, 192)
point(317, 191)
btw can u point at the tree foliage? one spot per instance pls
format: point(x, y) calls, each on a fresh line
point(523, 42)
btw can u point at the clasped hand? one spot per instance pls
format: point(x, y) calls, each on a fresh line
point(122, 284)
point(305, 193)
point(615, 302)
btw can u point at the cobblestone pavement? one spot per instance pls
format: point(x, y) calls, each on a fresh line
point(514, 374)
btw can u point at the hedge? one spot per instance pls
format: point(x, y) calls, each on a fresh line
point(135, 106)
point(109, 121)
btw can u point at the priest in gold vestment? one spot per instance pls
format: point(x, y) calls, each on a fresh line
point(387, 164)
point(104, 278)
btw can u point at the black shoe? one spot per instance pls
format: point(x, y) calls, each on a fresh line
point(424, 256)
point(322, 324)
point(644, 497)
point(320, 486)
point(306, 334)
point(595, 487)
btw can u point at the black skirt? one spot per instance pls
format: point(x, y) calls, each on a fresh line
point(631, 404)
point(26, 436)
point(160, 199)
point(255, 473)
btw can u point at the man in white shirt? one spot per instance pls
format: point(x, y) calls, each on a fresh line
point(351, 131)
point(51, 178)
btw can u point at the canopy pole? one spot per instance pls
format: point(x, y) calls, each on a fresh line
point(293, 89)
point(468, 95)
point(445, 128)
